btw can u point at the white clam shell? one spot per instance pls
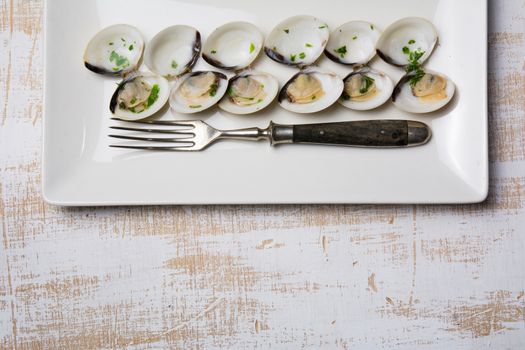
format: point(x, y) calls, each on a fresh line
point(173, 51)
point(271, 88)
point(384, 86)
point(297, 41)
point(180, 105)
point(412, 32)
point(233, 46)
point(109, 48)
point(332, 86)
point(359, 38)
point(151, 79)
point(404, 100)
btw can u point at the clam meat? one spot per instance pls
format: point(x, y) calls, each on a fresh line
point(198, 91)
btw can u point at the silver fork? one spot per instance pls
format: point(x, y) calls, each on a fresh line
point(196, 135)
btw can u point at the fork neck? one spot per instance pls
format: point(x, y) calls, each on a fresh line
point(275, 133)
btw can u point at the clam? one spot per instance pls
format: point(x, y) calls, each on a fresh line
point(198, 91)
point(233, 46)
point(405, 38)
point(310, 91)
point(139, 96)
point(249, 92)
point(423, 92)
point(174, 51)
point(366, 89)
point(297, 41)
point(115, 50)
point(353, 43)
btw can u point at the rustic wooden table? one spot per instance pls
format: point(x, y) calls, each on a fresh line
point(260, 277)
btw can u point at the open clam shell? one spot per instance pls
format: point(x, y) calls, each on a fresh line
point(297, 41)
point(311, 90)
point(174, 51)
point(233, 46)
point(139, 96)
point(353, 43)
point(407, 35)
point(366, 89)
point(249, 92)
point(432, 92)
point(115, 50)
point(198, 91)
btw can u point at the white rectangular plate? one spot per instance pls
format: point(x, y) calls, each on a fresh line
point(80, 169)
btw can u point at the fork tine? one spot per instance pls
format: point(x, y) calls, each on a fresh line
point(155, 148)
point(189, 123)
point(155, 139)
point(158, 131)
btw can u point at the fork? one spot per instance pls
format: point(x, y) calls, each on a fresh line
point(196, 135)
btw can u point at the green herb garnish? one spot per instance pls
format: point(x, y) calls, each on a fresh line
point(341, 51)
point(323, 26)
point(302, 55)
point(213, 89)
point(414, 66)
point(372, 26)
point(229, 91)
point(131, 47)
point(153, 95)
point(355, 37)
point(411, 42)
point(252, 47)
point(111, 44)
point(308, 45)
point(213, 52)
point(195, 106)
point(293, 57)
point(120, 61)
point(368, 83)
point(174, 64)
point(133, 100)
point(287, 31)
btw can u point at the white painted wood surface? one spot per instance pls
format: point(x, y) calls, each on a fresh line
point(259, 277)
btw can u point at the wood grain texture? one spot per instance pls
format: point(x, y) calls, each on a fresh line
point(259, 277)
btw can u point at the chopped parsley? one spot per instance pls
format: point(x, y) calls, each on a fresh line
point(259, 101)
point(274, 48)
point(323, 26)
point(195, 106)
point(372, 26)
point(308, 45)
point(213, 52)
point(302, 55)
point(411, 42)
point(368, 82)
point(287, 31)
point(131, 47)
point(252, 47)
point(153, 95)
point(414, 66)
point(120, 61)
point(213, 89)
point(133, 100)
point(355, 37)
point(229, 91)
point(111, 44)
point(174, 64)
point(406, 50)
point(123, 40)
point(293, 57)
point(341, 51)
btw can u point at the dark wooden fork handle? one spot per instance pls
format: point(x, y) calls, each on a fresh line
point(370, 133)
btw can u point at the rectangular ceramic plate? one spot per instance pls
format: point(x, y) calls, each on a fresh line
point(80, 169)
